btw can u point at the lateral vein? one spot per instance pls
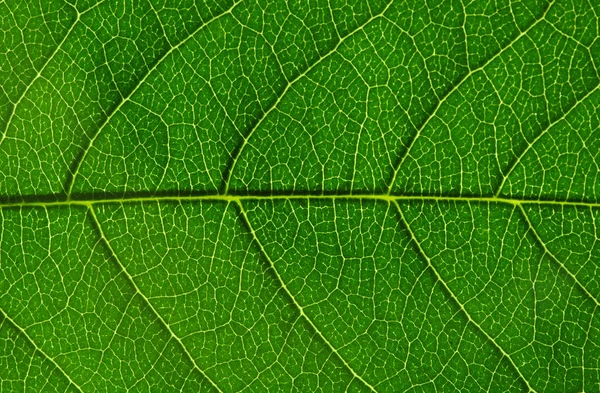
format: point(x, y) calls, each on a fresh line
point(293, 299)
point(146, 300)
point(455, 299)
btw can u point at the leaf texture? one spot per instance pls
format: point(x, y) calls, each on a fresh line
point(328, 196)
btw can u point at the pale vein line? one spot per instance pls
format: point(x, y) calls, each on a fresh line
point(22, 331)
point(540, 135)
point(41, 71)
point(293, 299)
point(158, 62)
point(455, 299)
point(293, 197)
point(455, 88)
point(288, 86)
point(553, 257)
point(139, 292)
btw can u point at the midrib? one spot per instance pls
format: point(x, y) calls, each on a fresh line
point(239, 198)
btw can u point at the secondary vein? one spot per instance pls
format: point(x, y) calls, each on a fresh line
point(146, 300)
point(455, 299)
point(295, 302)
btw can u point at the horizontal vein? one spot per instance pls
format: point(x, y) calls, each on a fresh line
point(295, 302)
point(146, 300)
point(38, 349)
point(240, 198)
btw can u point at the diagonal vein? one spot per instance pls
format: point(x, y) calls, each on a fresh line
point(396, 169)
point(79, 161)
point(245, 218)
point(37, 76)
point(554, 258)
point(146, 300)
point(38, 349)
point(455, 299)
point(238, 153)
point(540, 135)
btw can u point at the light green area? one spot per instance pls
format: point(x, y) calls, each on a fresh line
point(325, 195)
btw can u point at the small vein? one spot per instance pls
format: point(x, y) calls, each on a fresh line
point(455, 299)
point(455, 88)
point(295, 302)
point(238, 152)
point(540, 135)
point(146, 300)
point(554, 258)
point(40, 350)
point(77, 165)
point(41, 71)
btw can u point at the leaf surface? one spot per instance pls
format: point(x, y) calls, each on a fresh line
point(362, 196)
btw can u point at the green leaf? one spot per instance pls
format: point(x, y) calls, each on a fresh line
point(322, 195)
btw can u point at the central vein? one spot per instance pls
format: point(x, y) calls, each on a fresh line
point(240, 198)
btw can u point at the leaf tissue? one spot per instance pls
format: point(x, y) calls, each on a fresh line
point(300, 196)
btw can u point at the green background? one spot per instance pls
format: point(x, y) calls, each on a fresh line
point(315, 195)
